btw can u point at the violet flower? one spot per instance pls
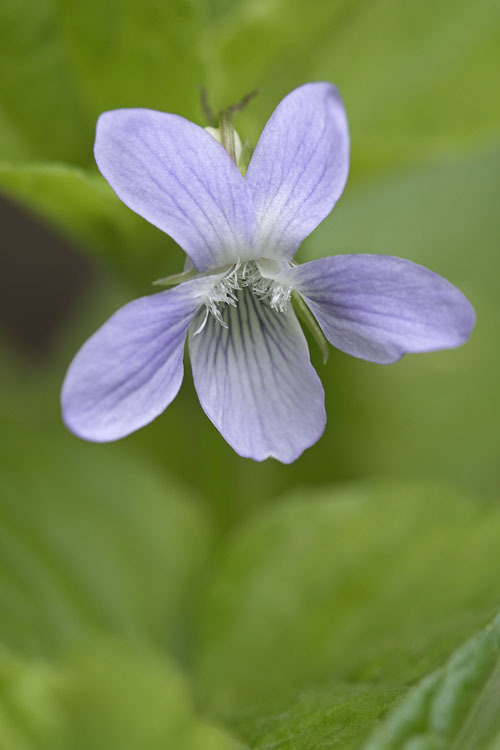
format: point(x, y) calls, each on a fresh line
point(248, 353)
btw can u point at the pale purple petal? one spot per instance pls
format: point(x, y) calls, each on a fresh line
point(255, 381)
point(378, 307)
point(130, 370)
point(299, 167)
point(179, 178)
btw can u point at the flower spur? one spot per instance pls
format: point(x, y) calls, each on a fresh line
point(249, 356)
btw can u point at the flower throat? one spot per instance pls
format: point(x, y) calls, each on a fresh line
point(242, 276)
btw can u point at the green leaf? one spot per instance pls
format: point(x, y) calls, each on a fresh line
point(83, 206)
point(416, 79)
point(64, 63)
point(92, 539)
point(125, 697)
point(28, 709)
point(455, 708)
point(345, 596)
point(107, 694)
point(332, 717)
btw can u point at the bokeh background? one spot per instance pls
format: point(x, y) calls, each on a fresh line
point(162, 592)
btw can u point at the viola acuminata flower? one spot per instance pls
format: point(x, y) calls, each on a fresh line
point(248, 353)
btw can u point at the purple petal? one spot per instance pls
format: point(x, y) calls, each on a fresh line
point(130, 370)
point(176, 175)
point(299, 167)
point(255, 381)
point(378, 307)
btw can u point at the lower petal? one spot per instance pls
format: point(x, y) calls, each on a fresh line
point(255, 381)
point(378, 307)
point(130, 370)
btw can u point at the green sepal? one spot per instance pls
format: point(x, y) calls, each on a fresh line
point(311, 324)
point(176, 278)
point(227, 133)
point(246, 154)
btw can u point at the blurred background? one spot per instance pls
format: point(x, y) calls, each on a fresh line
point(164, 568)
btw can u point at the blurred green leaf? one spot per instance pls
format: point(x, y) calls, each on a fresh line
point(28, 706)
point(42, 112)
point(83, 206)
point(107, 694)
point(118, 697)
point(457, 706)
point(92, 539)
point(417, 79)
point(338, 594)
point(64, 63)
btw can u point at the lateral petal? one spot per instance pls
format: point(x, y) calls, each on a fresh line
point(378, 307)
point(130, 370)
point(255, 381)
point(178, 177)
point(299, 167)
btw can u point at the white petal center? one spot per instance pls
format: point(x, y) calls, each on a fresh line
point(240, 276)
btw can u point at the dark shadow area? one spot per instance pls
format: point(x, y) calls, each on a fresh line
point(41, 277)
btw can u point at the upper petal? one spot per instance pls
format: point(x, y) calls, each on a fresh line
point(255, 381)
point(178, 177)
point(378, 307)
point(299, 167)
point(131, 368)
